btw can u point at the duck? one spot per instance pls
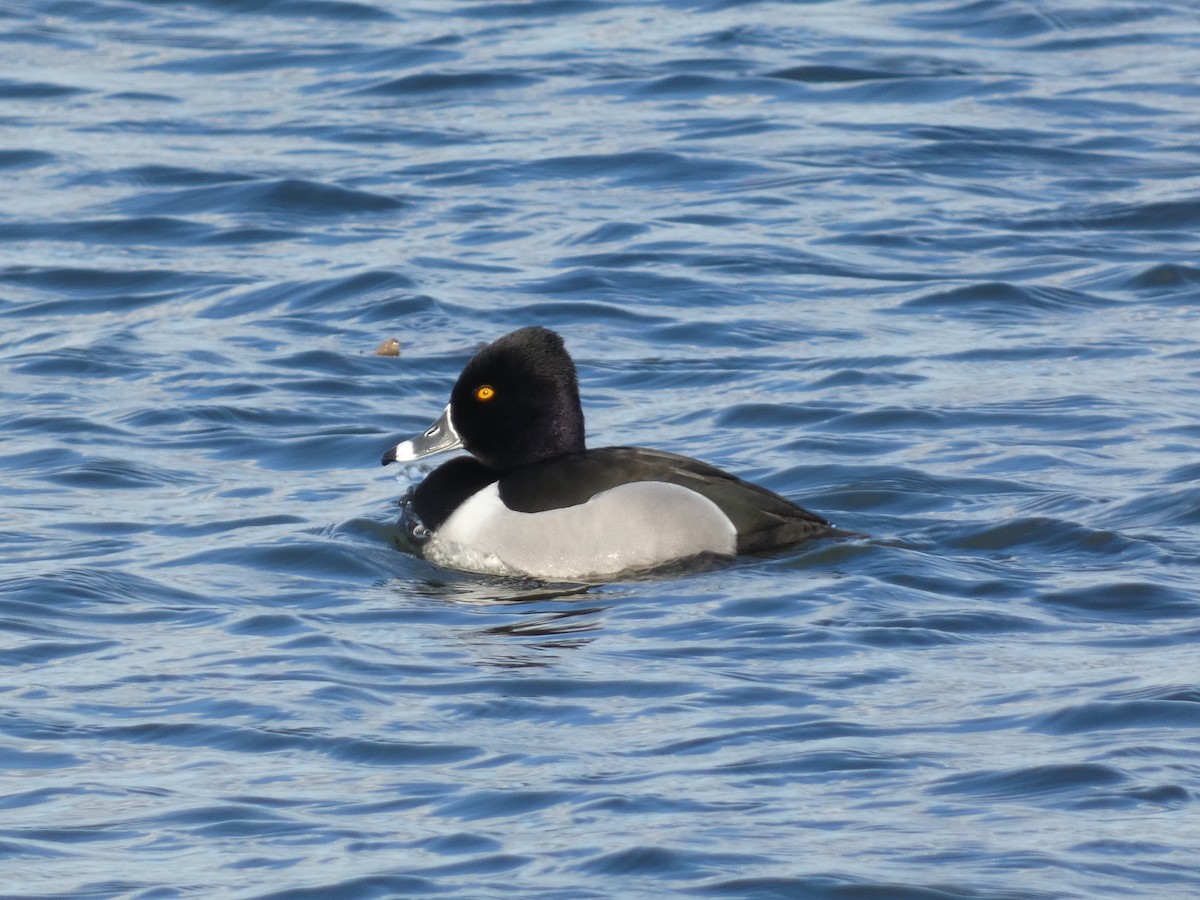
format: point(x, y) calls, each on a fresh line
point(532, 500)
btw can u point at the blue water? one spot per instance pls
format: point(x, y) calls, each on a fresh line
point(931, 268)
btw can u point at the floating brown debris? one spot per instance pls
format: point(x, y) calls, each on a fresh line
point(390, 347)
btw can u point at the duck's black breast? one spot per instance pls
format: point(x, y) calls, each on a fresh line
point(447, 487)
point(763, 519)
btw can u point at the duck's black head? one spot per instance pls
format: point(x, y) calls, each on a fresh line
point(517, 401)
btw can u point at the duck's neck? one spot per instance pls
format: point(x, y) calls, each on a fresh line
point(547, 435)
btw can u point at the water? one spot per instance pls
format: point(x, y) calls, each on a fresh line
point(930, 268)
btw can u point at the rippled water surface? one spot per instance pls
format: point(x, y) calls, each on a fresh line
point(931, 268)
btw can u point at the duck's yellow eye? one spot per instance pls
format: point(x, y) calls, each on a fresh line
point(484, 393)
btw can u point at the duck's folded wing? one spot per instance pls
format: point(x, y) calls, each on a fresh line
point(763, 519)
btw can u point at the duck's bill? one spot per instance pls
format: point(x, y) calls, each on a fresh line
point(440, 436)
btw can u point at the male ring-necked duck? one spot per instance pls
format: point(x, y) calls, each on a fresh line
point(532, 500)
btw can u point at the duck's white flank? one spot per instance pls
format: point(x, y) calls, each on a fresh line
point(631, 526)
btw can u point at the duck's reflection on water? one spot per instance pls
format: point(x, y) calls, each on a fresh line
point(526, 622)
point(542, 634)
